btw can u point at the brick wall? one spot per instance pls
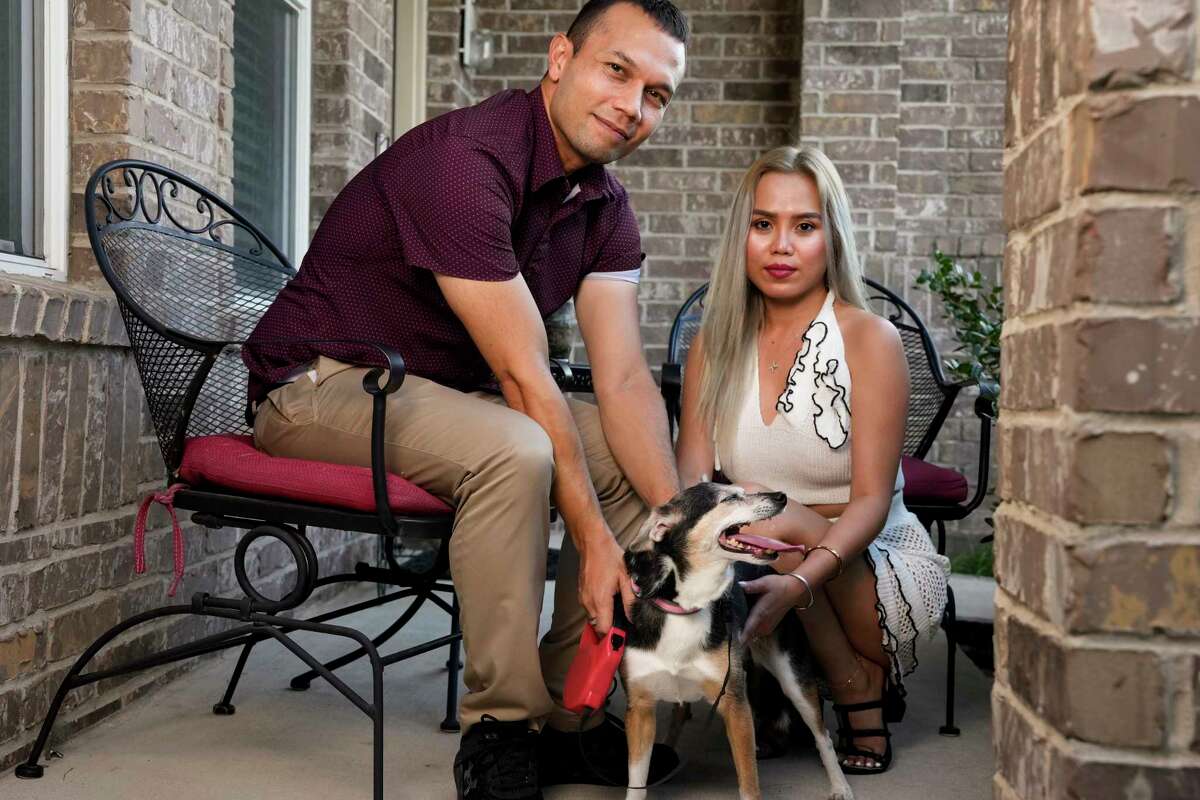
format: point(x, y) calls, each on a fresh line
point(152, 79)
point(906, 96)
point(352, 93)
point(1098, 537)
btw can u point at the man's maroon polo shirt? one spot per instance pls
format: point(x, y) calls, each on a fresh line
point(476, 193)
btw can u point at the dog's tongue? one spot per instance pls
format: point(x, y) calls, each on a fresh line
point(763, 543)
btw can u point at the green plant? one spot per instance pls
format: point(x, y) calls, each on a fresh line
point(977, 561)
point(975, 312)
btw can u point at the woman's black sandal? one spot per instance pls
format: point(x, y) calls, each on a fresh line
point(847, 733)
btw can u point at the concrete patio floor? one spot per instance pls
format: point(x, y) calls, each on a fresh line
point(288, 745)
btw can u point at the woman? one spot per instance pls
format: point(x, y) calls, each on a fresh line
point(787, 358)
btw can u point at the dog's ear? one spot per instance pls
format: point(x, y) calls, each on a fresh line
point(657, 524)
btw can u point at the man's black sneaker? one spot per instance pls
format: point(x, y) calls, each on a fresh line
point(604, 760)
point(497, 761)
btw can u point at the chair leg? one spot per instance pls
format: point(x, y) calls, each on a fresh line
point(374, 710)
point(948, 624)
point(450, 724)
point(30, 769)
point(225, 707)
point(304, 680)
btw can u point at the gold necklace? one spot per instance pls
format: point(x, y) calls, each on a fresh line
point(775, 364)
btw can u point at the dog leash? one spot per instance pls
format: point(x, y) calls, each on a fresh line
point(712, 711)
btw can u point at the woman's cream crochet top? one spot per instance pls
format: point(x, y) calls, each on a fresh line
point(805, 451)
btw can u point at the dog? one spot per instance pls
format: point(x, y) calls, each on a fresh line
point(683, 645)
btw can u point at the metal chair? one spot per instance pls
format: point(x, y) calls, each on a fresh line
point(192, 277)
point(931, 397)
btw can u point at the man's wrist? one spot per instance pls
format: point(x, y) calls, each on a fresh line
point(594, 536)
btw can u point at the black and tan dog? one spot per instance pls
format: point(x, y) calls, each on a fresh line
point(683, 646)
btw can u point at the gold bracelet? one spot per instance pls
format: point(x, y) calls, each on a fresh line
point(812, 598)
point(833, 553)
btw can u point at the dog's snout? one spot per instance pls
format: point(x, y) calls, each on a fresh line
point(778, 497)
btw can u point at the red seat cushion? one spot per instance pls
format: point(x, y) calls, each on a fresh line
point(928, 484)
point(233, 462)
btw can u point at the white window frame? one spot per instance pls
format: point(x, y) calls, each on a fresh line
point(302, 144)
point(53, 130)
point(408, 75)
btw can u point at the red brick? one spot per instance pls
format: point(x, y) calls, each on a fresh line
point(1061, 682)
point(1034, 179)
point(1022, 751)
point(1136, 144)
point(1129, 255)
point(1029, 368)
point(1134, 588)
point(1134, 365)
point(1026, 563)
point(1138, 463)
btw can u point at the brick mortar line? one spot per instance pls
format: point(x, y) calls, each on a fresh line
point(1069, 420)
point(1115, 200)
point(1082, 310)
point(72, 363)
point(186, 113)
point(41, 617)
point(1088, 751)
point(1065, 106)
point(1165, 650)
point(90, 518)
point(1180, 724)
point(171, 58)
point(1002, 788)
point(1069, 533)
point(1159, 645)
point(9, 522)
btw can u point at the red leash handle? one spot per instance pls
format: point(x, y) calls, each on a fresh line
point(167, 500)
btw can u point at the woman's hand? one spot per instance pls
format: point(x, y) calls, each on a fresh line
point(778, 595)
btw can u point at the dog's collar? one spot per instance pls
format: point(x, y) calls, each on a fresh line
point(663, 605)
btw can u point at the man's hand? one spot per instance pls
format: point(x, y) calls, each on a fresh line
point(602, 574)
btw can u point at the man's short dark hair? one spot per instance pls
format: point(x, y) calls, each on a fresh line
point(664, 13)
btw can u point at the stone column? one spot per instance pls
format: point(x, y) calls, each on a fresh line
point(1098, 537)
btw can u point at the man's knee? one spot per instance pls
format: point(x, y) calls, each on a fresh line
point(528, 452)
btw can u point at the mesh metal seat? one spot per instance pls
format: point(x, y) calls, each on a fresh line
point(192, 277)
point(931, 398)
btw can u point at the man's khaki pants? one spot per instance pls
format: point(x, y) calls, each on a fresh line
point(495, 466)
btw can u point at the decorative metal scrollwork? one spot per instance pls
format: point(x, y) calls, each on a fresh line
point(155, 196)
point(303, 553)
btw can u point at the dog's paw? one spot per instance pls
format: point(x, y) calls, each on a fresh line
point(841, 794)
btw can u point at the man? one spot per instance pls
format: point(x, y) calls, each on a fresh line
point(452, 247)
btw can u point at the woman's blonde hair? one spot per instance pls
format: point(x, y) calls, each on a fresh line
point(733, 307)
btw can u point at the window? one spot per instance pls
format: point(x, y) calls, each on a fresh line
point(33, 138)
point(271, 97)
